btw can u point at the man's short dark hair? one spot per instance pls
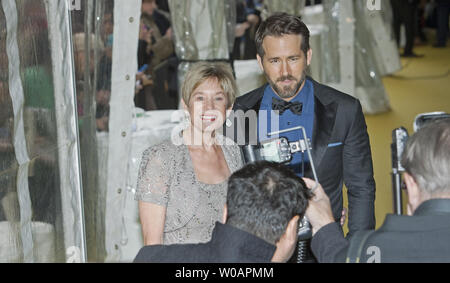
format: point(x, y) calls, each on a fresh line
point(282, 24)
point(263, 197)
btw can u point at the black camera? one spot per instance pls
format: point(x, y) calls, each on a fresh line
point(276, 150)
point(280, 150)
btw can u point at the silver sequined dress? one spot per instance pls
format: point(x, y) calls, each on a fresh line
point(167, 178)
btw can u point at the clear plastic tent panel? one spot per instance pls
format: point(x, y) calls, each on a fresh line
point(10, 241)
point(38, 219)
point(330, 70)
point(204, 30)
point(379, 33)
point(103, 32)
point(323, 23)
point(375, 53)
point(292, 7)
point(92, 29)
point(368, 53)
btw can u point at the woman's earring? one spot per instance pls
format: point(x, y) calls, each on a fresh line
point(229, 123)
point(186, 118)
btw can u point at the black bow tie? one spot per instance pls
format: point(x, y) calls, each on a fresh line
point(281, 105)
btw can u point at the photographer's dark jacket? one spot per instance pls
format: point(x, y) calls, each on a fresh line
point(424, 237)
point(228, 245)
point(340, 150)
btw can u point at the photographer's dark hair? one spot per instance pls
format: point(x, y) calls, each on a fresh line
point(263, 197)
point(282, 24)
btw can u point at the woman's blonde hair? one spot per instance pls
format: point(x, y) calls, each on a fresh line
point(203, 71)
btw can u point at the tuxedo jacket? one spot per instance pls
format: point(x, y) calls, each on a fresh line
point(228, 245)
point(340, 150)
point(423, 237)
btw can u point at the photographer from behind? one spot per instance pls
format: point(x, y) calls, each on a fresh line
point(422, 235)
point(265, 201)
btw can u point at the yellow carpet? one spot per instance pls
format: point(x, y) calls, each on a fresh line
point(423, 85)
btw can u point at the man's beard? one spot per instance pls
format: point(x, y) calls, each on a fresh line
point(287, 92)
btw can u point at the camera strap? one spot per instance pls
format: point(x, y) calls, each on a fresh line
point(357, 243)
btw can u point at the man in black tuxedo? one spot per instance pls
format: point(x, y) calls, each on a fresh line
point(264, 204)
point(334, 121)
point(421, 236)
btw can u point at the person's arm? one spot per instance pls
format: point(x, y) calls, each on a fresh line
point(152, 192)
point(152, 218)
point(163, 48)
point(328, 243)
point(358, 174)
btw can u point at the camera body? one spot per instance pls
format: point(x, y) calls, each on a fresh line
point(276, 150)
point(280, 150)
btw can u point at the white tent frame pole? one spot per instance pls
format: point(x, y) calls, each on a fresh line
point(124, 68)
point(19, 140)
point(60, 35)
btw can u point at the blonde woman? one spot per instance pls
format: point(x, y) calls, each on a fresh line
point(182, 183)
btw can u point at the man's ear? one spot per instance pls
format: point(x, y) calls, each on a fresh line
point(309, 58)
point(260, 61)
point(292, 227)
point(287, 243)
point(414, 197)
point(225, 214)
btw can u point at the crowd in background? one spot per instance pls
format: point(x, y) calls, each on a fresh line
point(157, 86)
point(156, 81)
point(415, 16)
point(38, 116)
